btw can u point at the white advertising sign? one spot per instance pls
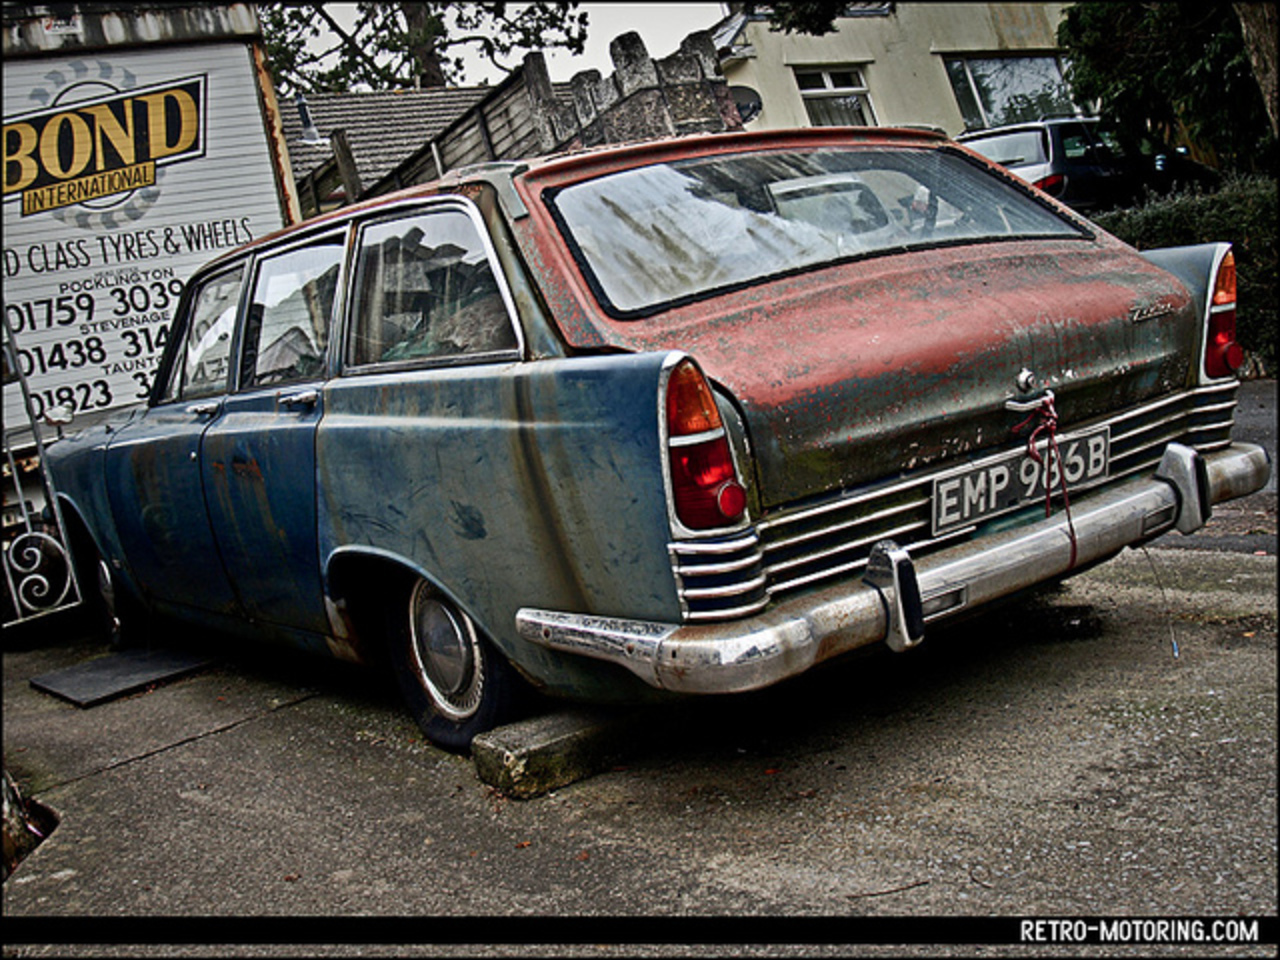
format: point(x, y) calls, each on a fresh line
point(123, 172)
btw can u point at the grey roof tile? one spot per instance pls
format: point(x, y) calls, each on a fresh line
point(382, 128)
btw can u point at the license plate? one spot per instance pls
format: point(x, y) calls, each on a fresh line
point(1011, 480)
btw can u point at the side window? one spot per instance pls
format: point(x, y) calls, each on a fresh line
point(1106, 145)
point(287, 328)
point(424, 288)
point(1075, 142)
point(201, 367)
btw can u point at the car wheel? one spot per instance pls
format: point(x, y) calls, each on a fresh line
point(455, 683)
point(107, 611)
point(99, 611)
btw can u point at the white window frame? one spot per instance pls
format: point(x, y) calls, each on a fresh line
point(830, 91)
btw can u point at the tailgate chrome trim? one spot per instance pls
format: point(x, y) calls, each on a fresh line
point(823, 542)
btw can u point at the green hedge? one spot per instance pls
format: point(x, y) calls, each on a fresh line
point(1243, 211)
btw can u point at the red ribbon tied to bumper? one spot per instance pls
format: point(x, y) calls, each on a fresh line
point(1046, 417)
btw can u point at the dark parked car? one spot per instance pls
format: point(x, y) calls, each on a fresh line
point(680, 417)
point(1068, 158)
point(1078, 161)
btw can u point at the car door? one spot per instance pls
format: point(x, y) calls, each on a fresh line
point(259, 459)
point(153, 463)
point(422, 440)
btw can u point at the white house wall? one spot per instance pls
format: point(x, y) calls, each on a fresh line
point(901, 56)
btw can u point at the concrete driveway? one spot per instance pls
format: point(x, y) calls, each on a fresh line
point(1052, 758)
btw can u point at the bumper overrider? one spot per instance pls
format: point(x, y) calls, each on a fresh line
point(897, 596)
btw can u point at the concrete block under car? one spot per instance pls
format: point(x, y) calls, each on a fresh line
point(531, 757)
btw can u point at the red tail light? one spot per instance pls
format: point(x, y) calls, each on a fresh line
point(1051, 184)
point(704, 483)
point(1223, 356)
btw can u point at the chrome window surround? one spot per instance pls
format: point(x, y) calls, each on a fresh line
point(792, 549)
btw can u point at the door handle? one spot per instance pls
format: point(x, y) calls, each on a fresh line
point(203, 409)
point(307, 398)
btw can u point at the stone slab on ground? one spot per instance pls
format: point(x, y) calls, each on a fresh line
point(116, 674)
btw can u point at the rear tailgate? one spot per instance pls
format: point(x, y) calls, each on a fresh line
point(872, 369)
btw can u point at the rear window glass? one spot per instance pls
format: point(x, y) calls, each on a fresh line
point(1018, 149)
point(671, 232)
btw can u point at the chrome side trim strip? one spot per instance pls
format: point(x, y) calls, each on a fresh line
point(705, 616)
point(848, 524)
point(693, 547)
point(853, 566)
point(841, 504)
point(715, 569)
point(844, 547)
point(698, 593)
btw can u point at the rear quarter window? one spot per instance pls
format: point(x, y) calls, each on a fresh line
point(425, 289)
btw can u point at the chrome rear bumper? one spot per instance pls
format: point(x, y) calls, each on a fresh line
point(898, 596)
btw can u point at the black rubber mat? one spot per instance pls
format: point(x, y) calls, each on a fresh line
point(97, 681)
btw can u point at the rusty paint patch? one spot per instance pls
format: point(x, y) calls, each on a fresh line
point(247, 470)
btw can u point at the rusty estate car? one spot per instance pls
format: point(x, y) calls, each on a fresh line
point(679, 417)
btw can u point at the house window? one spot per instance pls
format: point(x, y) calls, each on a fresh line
point(992, 91)
point(836, 98)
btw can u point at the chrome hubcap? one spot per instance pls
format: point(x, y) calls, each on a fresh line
point(107, 589)
point(446, 654)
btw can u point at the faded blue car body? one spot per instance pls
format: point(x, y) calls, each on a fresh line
point(705, 486)
point(468, 462)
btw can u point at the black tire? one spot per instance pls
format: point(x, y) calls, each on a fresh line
point(108, 611)
point(453, 680)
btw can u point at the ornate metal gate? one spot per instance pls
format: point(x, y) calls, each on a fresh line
point(39, 573)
